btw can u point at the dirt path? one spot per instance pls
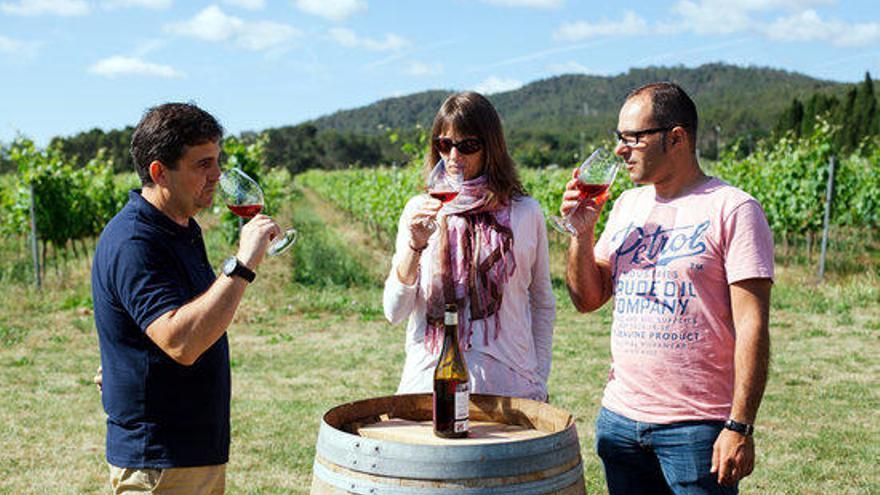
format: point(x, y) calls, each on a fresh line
point(372, 254)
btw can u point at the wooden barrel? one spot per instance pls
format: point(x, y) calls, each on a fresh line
point(386, 446)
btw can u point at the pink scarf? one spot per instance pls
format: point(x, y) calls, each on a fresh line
point(472, 262)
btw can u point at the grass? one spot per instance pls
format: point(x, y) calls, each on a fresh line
point(300, 347)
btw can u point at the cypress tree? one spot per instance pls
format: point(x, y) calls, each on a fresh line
point(847, 118)
point(791, 119)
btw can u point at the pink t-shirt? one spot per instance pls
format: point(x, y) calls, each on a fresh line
point(672, 261)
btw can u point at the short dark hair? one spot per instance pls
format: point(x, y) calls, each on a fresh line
point(670, 106)
point(165, 131)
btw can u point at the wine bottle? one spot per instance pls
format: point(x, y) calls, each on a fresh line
point(451, 383)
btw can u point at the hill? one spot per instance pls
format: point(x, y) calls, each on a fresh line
point(547, 121)
point(739, 100)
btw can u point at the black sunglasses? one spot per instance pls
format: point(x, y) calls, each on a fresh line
point(631, 138)
point(467, 146)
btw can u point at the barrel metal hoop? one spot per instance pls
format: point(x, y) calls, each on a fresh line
point(435, 462)
point(369, 487)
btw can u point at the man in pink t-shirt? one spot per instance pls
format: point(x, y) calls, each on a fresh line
point(688, 263)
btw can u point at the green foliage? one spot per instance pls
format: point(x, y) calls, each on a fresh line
point(550, 120)
point(375, 197)
point(855, 115)
point(251, 158)
point(324, 260)
point(789, 178)
point(411, 146)
point(295, 148)
point(70, 204)
point(78, 149)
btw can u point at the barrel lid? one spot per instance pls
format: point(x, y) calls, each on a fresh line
point(338, 442)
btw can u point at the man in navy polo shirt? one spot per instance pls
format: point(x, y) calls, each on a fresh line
point(162, 314)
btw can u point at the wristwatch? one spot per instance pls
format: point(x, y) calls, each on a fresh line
point(234, 268)
point(741, 428)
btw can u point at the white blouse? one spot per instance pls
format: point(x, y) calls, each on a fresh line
point(517, 363)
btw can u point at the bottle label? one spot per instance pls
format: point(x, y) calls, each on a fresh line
point(462, 394)
point(450, 318)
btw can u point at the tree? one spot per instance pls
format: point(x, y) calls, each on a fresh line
point(791, 119)
point(295, 148)
point(865, 121)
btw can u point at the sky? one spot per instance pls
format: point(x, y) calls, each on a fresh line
point(67, 66)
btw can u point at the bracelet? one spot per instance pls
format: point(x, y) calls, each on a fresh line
point(417, 251)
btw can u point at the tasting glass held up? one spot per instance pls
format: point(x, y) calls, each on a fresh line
point(594, 178)
point(244, 197)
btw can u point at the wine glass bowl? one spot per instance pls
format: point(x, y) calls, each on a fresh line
point(443, 185)
point(244, 198)
point(241, 194)
point(594, 177)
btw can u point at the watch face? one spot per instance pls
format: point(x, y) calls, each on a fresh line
point(229, 265)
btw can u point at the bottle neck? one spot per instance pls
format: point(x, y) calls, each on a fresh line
point(450, 339)
point(450, 330)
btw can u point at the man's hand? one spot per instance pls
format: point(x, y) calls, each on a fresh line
point(733, 457)
point(584, 212)
point(255, 238)
point(98, 379)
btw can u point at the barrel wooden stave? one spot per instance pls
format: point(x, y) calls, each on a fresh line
point(350, 464)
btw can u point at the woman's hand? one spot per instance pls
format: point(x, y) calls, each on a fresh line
point(424, 222)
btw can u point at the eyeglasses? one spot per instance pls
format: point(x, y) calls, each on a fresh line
point(467, 146)
point(631, 138)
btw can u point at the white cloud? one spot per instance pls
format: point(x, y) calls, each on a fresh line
point(211, 24)
point(118, 65)
point(713, 16)
point(9, 45)
point(336, 10)
point(17, 49)
point(630, 25)
point(263, 35)
point(349, 39)
point(423, 69)
point(808, 26)
point(709, 17)
point(145, 47)
point(570, 67)
point(497, 85)
point(722, 17)
point(246, 4)
point(51, 7)
point(540, 4)
point(147, 4)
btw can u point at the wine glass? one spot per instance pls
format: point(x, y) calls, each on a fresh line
point(443, 185)
point(594, 178)
point(244, 197)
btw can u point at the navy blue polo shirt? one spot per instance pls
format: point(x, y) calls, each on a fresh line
point(160, 414)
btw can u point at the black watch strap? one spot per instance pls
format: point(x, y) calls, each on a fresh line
point(234, 268)
point(741, 428)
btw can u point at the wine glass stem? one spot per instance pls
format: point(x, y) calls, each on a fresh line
point(571, 212)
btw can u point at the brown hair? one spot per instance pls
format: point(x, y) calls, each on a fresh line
point(471, 114)
point(165, 131)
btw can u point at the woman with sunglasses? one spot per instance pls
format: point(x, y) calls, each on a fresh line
point(494, 239)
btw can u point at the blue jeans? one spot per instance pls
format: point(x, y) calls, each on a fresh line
point(648, 458)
